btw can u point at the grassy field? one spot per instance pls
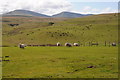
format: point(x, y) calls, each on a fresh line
point(60, 62)
point(33, 30)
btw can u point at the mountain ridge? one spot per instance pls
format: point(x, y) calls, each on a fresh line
point(24, 13)
point(32, 13)
point(70, 15)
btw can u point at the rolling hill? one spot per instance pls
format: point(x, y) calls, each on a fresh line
point(35, 30)
point(70, 15)
point(24, 13)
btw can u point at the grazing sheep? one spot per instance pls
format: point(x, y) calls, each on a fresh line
point(58, 44)
point(76, 44)
point(21, 45)
point(68, 44)
point(113, 44)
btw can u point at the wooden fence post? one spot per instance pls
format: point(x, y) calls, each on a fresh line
point(89, 43)
point(109, 44)
point(105, 43)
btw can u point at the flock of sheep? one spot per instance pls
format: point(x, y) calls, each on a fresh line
point(66, 44)
point(58, 44)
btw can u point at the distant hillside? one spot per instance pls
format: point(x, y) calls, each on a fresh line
point(35, 30)
point(70, 15)
point(24, 13)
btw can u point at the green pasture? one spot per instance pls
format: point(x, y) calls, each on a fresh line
point(60, 62)
point(95, 28)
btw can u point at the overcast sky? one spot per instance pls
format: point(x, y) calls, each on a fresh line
point(50, 7)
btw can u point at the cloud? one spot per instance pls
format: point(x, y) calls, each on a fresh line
point(94, 0)
point(48, 7)
point(91, 10)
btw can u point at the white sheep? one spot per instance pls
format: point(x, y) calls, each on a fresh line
point(113, 44)
point(21, 45)
point(68, 44)
point(58, 44)
point(76, 44)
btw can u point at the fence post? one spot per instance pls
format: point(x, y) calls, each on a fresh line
point(109, 44)
point(89, 43)
point(105, 43)
point(97, 44)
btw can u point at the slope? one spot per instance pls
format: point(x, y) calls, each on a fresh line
point(96, 28)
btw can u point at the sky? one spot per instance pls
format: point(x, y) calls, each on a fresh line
point(51, 7)
point(93, 0)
